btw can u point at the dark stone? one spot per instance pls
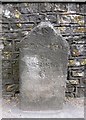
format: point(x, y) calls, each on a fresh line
point(43, 69)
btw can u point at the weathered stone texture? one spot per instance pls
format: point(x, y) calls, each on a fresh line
point(20, 18)
point(43, 62)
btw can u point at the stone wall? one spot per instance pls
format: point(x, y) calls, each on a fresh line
point(18, 19)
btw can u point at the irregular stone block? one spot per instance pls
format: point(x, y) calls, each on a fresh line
point(43, 69)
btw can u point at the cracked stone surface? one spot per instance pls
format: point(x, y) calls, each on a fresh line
point(43, 66)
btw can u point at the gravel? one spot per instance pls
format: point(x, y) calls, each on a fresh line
point(73, 108)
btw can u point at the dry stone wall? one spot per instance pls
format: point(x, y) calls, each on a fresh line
point(18, 19)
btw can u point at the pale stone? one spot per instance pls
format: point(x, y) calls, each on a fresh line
point(43, 69)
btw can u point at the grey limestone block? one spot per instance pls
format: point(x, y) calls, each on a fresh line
point(43, 69)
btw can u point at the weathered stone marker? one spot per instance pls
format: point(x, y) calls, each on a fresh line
point(43, 69)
